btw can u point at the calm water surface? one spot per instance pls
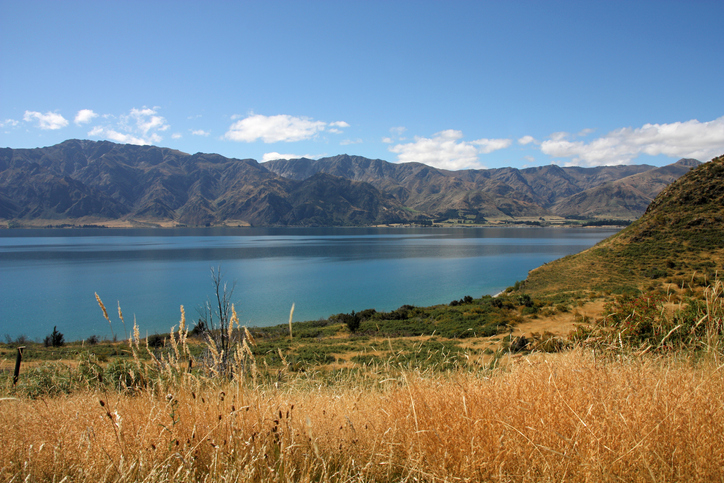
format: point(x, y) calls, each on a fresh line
point(49, 277)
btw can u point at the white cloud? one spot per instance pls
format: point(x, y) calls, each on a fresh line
point(176, 135)
point(139, 126)
point(527, 140)
point(397, 133)
point(49, 120)
point(272, 129)
point(690, 139)
point(336, 127)
point(200, 132)
point(347, 142)
point(559, 136)
point(84, 116)
point(272, 156)
point(9, 123)
point(489, 145)
point(119, 137)
point(145, 120)
point(445, 150)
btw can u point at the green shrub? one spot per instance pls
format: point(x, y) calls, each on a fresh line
point(155, 340)
point(529, 310)
point(563, 308)
point(124, 375)
point(89, 370)
point(47, 379)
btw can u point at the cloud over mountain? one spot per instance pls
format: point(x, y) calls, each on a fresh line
point(446, 150)
point(139, 126)
point(526, 140)
point(690, 139)
point(84, 116)
point(274, 155)
point(49, 120)
point(282, 127)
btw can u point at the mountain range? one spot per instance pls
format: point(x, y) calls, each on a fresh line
point(91, 181)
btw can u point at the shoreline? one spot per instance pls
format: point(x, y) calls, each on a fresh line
point(171, 225)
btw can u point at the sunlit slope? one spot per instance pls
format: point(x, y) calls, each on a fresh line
point(680, 239)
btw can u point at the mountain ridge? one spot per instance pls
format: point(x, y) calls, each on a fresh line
point(102, 180)
point(495, 192)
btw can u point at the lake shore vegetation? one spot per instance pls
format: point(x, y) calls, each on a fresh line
point(634, 394)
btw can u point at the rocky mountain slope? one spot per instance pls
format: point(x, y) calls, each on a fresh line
point(500, 192)
point(625, 197)
point(81, 180)
point(105, 180)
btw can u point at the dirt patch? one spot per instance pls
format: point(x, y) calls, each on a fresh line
point(561, 323)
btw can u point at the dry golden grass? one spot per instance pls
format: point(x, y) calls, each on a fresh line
point(558, 417)
point(561, 323)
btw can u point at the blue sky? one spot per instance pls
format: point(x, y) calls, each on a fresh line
point(455, 84)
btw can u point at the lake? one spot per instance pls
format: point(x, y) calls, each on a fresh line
point(49, 277)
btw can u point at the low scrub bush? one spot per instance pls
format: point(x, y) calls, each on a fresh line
point(418, 410)
point(644, 322)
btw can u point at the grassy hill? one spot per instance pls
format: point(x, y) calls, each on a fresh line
point(679, 240)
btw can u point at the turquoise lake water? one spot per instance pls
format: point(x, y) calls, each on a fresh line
point(49, 277)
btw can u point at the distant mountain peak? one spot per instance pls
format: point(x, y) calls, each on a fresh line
point(693, 163)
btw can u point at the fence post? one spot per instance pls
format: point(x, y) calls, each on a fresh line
point(18, 360)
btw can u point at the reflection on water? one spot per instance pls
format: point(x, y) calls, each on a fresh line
point(49, 276)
